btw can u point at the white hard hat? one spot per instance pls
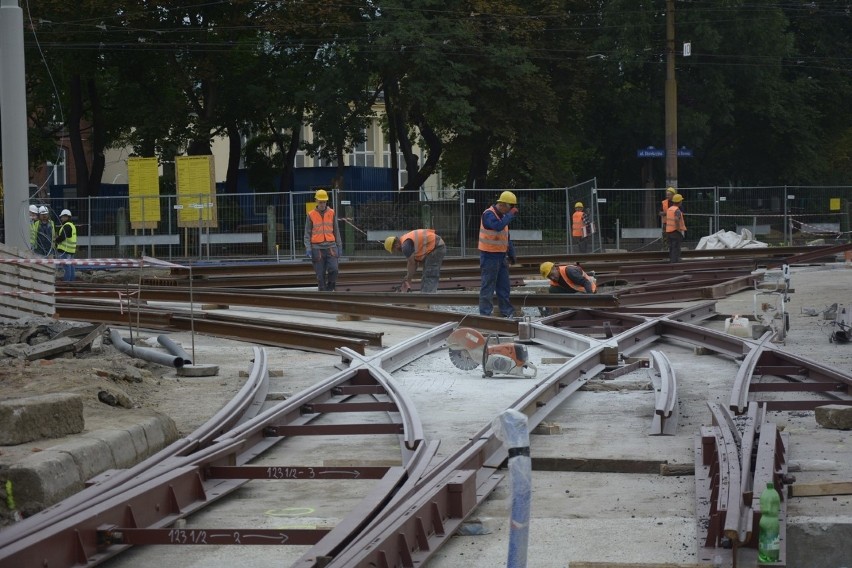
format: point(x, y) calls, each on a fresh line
point(64, 213)
point(42, 210)
point(34, 209)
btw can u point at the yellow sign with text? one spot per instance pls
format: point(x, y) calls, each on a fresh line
point(196, 190)
point(143, 179)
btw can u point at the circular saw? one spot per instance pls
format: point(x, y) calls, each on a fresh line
point(470, 349)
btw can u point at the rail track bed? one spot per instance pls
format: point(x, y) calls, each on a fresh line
point(388, 456)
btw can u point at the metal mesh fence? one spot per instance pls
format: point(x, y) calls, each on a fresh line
point(271, 225)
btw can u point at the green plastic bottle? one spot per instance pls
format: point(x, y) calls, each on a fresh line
point(768, 542)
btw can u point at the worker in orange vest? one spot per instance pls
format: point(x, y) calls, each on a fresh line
point(581, 227)
point(568, 279)
point(675, 227)
point(496, 253)
point(323, 244)
point(664, 208)
point(420, 246)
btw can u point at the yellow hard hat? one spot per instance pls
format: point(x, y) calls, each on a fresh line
point(508, 197)
point(677, 198)
point(578, 204)
point(545, 269)
point(321, 195)
point(389, 243)
point(671, 190)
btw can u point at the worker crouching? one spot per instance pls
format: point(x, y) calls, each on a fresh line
point(568, 279)
point(420, 246)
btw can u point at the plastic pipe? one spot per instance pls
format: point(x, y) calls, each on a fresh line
point(512, 429)
point(144, 353)
point(174, 349)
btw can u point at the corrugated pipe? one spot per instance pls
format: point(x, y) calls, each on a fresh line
point(174, 349)
point(144, 353)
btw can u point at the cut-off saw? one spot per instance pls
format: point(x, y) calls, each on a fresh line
point(470, 349)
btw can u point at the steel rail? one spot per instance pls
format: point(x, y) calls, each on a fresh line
point(666, 406)
point(409, 534)
point(187, 489)
point(258, 333)
point(243, 405)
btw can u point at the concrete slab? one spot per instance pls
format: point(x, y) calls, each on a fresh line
point(37, 417)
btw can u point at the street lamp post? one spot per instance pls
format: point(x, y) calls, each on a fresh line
point(671, 99)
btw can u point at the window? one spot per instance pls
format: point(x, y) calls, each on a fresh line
point(386, 160)
point(364, 153)
point(57, 173)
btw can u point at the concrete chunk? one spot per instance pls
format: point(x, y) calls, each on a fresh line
point(42, 479)
point(835, 416)
point(34, 418)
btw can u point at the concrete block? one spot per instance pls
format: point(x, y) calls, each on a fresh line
point(835, 416)
point(828, 542)
point(91, 456)
point(120, 443)
point(138, 439)
point(160, 431)
point(37, 417)
point(42, 479)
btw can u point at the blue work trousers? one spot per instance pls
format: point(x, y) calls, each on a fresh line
point(70, 273)
point(325, 265)
point(495, 278)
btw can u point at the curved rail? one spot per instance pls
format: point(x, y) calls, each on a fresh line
point(666, 407)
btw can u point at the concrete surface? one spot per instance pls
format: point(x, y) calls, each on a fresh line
point(602, 516)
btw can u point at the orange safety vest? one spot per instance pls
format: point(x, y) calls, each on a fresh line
point(665, 204)
point(490, 240)
point(322, 226)
point(578, 224)
point(563, 272)
point(424, 241)
point(674, 220)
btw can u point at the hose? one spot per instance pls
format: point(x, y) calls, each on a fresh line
point(144, 353)
point(174, 349)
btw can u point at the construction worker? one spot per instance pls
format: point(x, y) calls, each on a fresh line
point(568, 279)
point(581, 227)
point(66, 243)
point(420, 245)
point(45, 232)
point(675, 228)
point(33, 226)
point(664, 207)
point(496, 253)
point(323, 244)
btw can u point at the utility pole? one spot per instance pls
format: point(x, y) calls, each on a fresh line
point(671, 98)
point(13, 106)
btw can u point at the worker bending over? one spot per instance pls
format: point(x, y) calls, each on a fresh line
point(420, 246)
point(568, 279)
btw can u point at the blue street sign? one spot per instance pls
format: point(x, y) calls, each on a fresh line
point(684, 152)
point(650, 152)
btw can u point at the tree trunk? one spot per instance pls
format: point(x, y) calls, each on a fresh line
point(234, 153)
point(477, 175)
point(286, 183)
point(75, 137)
point(97, 138)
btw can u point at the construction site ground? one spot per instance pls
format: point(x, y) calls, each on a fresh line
point(576, 516)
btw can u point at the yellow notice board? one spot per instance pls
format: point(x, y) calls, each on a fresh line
point(143, 178)
point(834, 204)
point(196, 190)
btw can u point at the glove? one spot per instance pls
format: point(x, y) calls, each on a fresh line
point(406, 286)
point(308, 253)
point(512, 260)
point(513, 211)
point(683, 233)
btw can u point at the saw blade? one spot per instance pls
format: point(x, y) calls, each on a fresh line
point(463, 360)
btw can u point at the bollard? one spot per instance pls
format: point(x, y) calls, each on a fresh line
point(512, 429)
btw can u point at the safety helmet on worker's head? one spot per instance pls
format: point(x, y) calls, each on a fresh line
point(545, 269)
point(389, 243)
point(677, 198)
point(321, 195)
point(671, 190)
point(578, 205)
point(34, 209)
point(507, 197)
point(43, 210)
point(65, 213)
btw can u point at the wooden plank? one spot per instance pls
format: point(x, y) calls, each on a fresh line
point(596, 465)
point(820, 488)
point(50, 348)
